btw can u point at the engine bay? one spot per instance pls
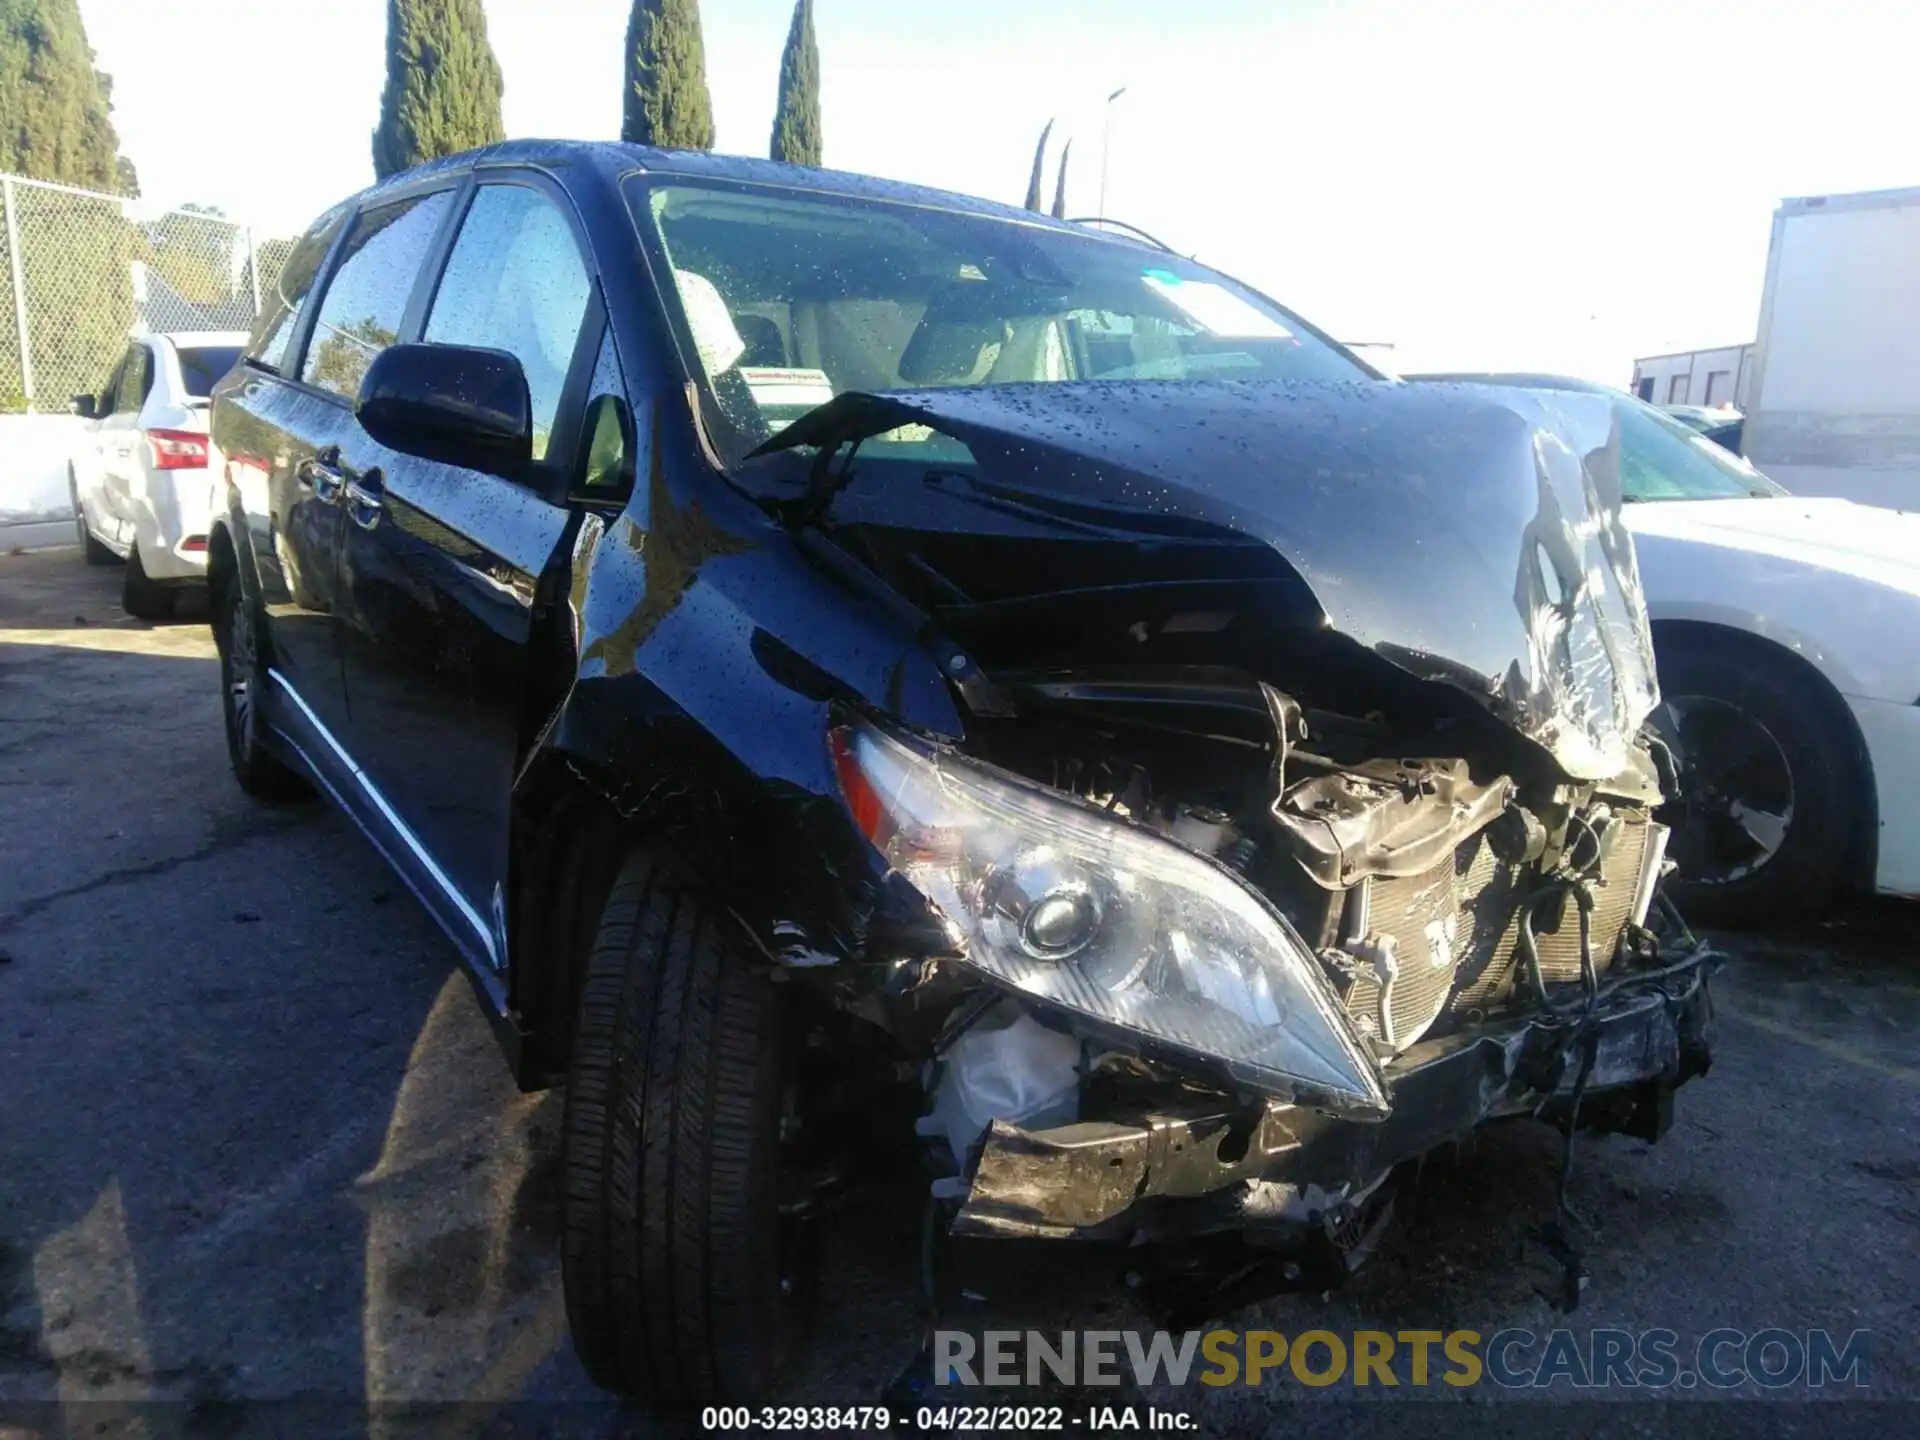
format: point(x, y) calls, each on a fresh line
point(1438, 889)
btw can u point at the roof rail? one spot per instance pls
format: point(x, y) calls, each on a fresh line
point(1133, 230)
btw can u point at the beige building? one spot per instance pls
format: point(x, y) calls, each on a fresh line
point(1696, 377)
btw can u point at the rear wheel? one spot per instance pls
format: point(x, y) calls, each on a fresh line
point(92, 549)
point(673, 1257)
point(141, 596)
point(1769, 786)
point(236, 635)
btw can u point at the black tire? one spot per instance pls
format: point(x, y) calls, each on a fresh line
point(1742, 685)
point(142, 597)
point(243, 673)
point(672, 1254)
point(92, 549)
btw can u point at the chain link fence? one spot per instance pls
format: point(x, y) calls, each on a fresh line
point(82, 271)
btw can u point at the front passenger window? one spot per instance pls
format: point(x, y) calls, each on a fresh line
point(366, 299)
point(515, 282)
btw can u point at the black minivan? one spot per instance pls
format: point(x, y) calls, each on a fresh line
point(870, 676)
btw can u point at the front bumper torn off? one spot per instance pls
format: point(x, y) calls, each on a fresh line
point(1188, 1169)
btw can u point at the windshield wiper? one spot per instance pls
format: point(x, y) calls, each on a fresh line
point(974, 491)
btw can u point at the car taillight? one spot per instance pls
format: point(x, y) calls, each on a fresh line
point(178, 450)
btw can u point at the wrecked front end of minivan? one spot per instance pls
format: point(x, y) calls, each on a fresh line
point(1170, 1045)
point(1289, 807)
point(1304, 818)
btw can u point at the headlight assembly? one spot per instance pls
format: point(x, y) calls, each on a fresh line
point(1106, 921)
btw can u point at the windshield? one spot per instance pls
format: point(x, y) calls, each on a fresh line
point(789, 298)
point(201, 366)
point(1662, 458)
point(1696, 418)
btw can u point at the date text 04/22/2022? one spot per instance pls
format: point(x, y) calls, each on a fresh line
point(1052, 1417)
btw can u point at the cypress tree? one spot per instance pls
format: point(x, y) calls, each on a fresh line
point(796, 118)
point(74, 250)
point(666, 96)
point(54, 122)
point(443, 84)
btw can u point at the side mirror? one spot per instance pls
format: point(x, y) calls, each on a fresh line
point(85, 406)
point(452, 403)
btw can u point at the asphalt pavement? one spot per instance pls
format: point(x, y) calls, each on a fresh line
point(257, 1143)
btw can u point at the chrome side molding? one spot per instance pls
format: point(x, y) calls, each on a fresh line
point(398, 827)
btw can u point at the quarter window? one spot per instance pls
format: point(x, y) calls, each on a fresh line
point(366, 300)
point(515, 282)
point(606, 462)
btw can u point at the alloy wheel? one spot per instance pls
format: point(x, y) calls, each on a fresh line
point(241, 672)
point(1736, 791)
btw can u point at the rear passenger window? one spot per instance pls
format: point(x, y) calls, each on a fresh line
point(366, 300)
point(110, 392)
point(515, 282)
point(281, 302)
point(203, 366)
point(136, 381)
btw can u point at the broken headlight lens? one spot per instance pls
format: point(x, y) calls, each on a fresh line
point(1072, 906)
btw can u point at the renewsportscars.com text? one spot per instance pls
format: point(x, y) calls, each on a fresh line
point(1772, 1358)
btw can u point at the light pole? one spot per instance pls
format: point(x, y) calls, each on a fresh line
point(1106, 144)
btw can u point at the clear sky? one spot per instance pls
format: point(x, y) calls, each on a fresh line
point(1540, 184)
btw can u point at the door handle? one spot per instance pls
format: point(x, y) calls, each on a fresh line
point(320, 477)
point(365, 499)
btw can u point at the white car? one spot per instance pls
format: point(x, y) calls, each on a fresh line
point(1788, 636)
point(142, 472)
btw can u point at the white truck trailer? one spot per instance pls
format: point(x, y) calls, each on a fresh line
point(1834, 406)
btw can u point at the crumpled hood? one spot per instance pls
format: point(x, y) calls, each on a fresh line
point(1818, 531)
point(1468, 535)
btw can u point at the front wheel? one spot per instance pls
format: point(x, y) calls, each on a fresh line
point(1768, 787)
point(673, 1261)
point(236, 635)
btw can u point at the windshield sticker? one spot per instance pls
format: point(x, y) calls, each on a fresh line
point(908, 434)
point(1215, 309)
point(778, 385)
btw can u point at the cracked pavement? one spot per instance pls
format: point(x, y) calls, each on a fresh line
point(256, 1141)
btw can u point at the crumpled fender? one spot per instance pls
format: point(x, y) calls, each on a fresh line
point(711, 658)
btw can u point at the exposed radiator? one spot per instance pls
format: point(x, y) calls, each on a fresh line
point(1455, 935)
point(1415, 927)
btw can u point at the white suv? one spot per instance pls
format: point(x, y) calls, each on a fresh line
point(143, 470)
